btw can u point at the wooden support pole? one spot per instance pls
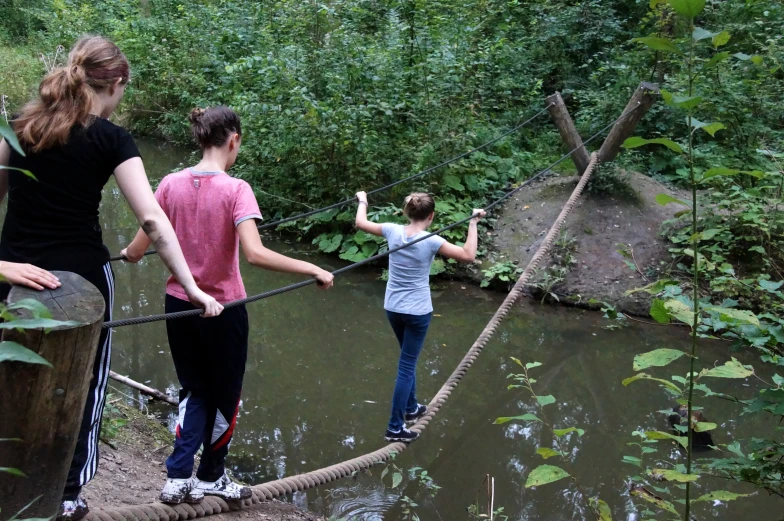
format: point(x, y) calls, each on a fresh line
point(642, 100)
point(42, 405)
point(149, 391)
point(569, 135)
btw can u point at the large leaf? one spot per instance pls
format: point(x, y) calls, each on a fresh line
point(602, 508)
point(656, 358)
point(688, 8)
point(664, 200)
point(13, 352)
point(660, 435)
point(13, 472)
point(735, 315)
point(397, 478)
point(545, 400)
point(10, 137)
point(546, 453)
point(564, 432)
point(680, 311)
point(635, 142)
point(524, 417)
point(673, 475)
point(643, 493)
point(545, 474)
point(721, 39)
point(38, 323)
point(37, 308)
point(659, 312)
point(720, 495)
point(644, 376)
point(658, 44)
point(715, 172)
point(731, 369)
point(715, 60)
point(453, 183)
point(701, 34)
point(704, 426)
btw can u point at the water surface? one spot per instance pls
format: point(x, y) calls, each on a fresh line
point(321, 370)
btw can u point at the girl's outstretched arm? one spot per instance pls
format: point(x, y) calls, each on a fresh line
point(262, 257)
point(361, 221)
point(467, 252)
point(133, 183)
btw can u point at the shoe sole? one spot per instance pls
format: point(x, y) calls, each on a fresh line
point(176, 501)
point(414, 420)
point(404, 440)
point(228, 497)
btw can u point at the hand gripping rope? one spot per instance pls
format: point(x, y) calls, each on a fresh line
point(385, 187)
point(298, 285)
point(281, 487)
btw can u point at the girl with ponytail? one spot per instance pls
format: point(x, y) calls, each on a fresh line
point(407, 300)
point(52, 221)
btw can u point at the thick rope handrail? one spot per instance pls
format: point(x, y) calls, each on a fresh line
point(273, 489)
point(385, 187)
point(285, 289)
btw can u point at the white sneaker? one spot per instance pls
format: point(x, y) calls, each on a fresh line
point(224, 488)
point(72, 510)
point(177, 491)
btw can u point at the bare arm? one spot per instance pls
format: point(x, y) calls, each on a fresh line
point(135, 251)
point(466, 253)
point(262, 257)
point(361, 221)
point(5, 157)
point(132, 180)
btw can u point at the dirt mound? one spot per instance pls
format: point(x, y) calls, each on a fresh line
point(599, 223)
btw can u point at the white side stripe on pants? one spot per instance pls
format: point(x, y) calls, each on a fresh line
point(99, 396)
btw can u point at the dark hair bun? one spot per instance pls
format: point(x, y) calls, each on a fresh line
point(196, 115)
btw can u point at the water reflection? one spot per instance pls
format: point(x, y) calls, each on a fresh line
point(321, 370)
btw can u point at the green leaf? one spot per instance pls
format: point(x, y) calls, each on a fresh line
point(686, 103)
point(531, 365)
point(721, 39)
point(13, 352)
point(659, 435)
point(644, 376)
point(654, 288)
point(602, 508)
point(524, 417)
point(704, 426)
point(715, 60)
point(701, 34)
point(453, 183)
point(564, 432)
point(656, 358)
point(714, 172)
point(545, 400)
point(659, 312)
point(635, 142)
point(545, 474)
point(8, 133)
point(38, 323)
point(384, 473)
point(680, 311)
point(644, 494)
point(13, 472)
point(664, 200)
point(397, 478)
point(720, 495)
point(673, 475)
point(712, 128)
point(731, 369)
point(547, 453)
point(688, 8)
point(770, 286)
point(757, 59)
point(706, 235)
point(25, 172)
point(735, 315)
point(742, 56)
point(658, 44)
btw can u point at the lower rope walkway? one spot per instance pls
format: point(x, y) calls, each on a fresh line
point(274, 489)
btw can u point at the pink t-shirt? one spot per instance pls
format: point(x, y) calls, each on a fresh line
point(205, 209)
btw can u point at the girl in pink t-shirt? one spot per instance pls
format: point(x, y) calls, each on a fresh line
point(212, 213)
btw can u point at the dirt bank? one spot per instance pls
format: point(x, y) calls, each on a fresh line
point(599, 224)
point(131, 471)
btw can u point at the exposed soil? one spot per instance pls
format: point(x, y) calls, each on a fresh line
point(599, 223)
point(132, 472)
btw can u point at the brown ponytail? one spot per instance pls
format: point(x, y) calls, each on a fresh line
point(213, 126)
point(418, 206)
point(67, 94)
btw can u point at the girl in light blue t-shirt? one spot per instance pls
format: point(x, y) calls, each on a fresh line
point(407, 300)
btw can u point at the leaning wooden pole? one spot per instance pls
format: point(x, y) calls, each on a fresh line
point(149, 391)
point(42, 406)
point(643, 98)
point(569, 135)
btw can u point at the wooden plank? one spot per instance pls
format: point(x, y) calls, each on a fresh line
point(569, 135)
point(43, 405)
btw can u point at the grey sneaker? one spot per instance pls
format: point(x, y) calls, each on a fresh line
point(177, 491)
point(72, 510)
point(224, 488)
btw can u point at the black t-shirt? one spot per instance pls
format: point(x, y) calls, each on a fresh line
point(52, 222)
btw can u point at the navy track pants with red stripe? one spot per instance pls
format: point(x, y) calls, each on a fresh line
point(209, 355)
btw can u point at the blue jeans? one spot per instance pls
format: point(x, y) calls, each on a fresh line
point(410, 331)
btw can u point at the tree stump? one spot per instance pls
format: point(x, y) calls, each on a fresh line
point(42, 406)
point(569, 135)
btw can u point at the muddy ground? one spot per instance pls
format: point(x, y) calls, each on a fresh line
point(131, 471)
point(599, 223)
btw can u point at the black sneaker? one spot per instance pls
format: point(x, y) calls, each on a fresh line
point(414, 416)
point(404, 435)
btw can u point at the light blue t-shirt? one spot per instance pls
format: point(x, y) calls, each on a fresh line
point(408, 288)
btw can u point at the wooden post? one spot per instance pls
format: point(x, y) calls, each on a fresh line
point(569, 135)
point(43, 406)
point(645, 95)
